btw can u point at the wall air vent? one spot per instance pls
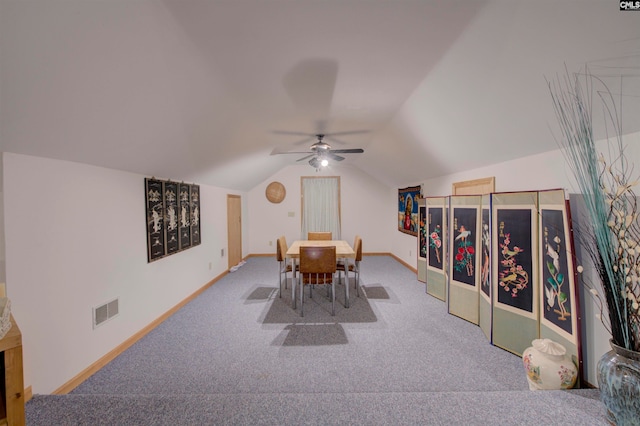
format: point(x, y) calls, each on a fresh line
point(105, 312)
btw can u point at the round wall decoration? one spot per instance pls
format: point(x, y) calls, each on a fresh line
point(275, 192)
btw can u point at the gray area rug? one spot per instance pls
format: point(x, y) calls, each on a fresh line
point(239, 354)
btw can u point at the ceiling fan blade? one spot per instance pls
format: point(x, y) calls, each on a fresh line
point(348, 151)
point(276, 152)
point(287, 132)
point(336, 141)
point(309, 136)
point(333, 156)
point(304, 158)
point(339, 141)
point(305, 141)
point(332, 136)
point(348, 132)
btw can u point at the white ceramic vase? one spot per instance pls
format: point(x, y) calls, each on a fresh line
point(548, 366)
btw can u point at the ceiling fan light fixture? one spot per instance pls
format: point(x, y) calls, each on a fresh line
point(315, 162)
point(318, 162)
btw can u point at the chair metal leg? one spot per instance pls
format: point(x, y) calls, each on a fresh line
point(283, 268)
point(294, 282)
point(346, 283)
point(333, 298)
point(357, 274)
point(301, 299)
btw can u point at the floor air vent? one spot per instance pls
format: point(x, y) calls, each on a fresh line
point(105, 312)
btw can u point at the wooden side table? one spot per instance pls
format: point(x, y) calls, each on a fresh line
point(12, 401)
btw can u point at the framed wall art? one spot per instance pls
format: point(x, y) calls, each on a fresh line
point(173, 217)
point(408, 220)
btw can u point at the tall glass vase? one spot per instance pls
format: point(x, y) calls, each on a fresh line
point(619, 383)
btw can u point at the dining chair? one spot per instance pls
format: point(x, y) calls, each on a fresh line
point(325, 236)
point(283, 266)
point(317, 266)
point(355, 267)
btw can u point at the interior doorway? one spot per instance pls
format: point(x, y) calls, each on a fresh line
point(474, 187)
point(234, 229)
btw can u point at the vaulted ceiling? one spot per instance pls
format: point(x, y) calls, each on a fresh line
point(209, 90)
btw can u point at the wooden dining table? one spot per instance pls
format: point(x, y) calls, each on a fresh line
point(343, 251)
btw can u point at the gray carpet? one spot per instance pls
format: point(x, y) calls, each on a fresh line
point(239, 354)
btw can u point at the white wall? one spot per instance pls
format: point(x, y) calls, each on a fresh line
point(75, 238)
point(365, 207)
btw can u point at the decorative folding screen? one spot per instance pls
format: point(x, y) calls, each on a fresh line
point(523, 273)
point(437, 246)
point(464, 261)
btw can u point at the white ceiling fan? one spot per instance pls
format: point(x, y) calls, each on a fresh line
point(321, 152)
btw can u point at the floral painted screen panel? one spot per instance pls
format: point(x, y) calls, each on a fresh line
point(559, 316)
point(436, 228)
point(514, 271)
point(514, 285)
point(484, 304)
point(464, 260)
point(485, 255)
point(422, 241)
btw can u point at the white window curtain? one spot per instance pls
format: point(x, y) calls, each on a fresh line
point(321, 206)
